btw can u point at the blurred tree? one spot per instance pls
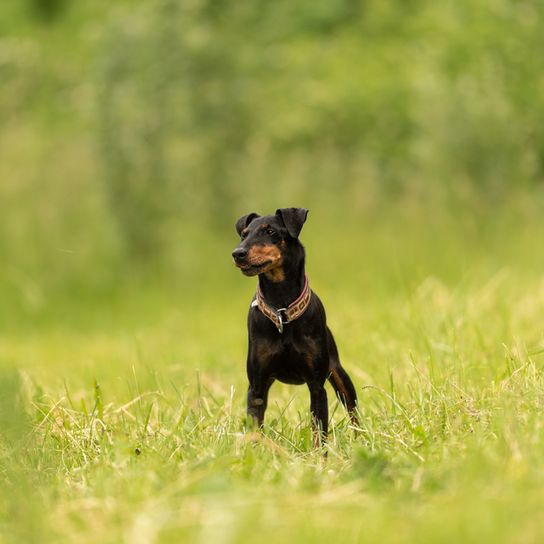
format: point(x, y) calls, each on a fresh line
point(47, 10)
point(193, 92)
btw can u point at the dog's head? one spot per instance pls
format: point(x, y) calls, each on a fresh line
point(265, 241)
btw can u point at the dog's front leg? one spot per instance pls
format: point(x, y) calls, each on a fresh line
point(257, 396)
point(320, 412)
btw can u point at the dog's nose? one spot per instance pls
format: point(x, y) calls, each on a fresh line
point(239, 254)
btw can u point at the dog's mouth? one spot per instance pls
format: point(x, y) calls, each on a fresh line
point(252, 269)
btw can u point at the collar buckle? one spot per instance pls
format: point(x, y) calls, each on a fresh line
point(282, 318)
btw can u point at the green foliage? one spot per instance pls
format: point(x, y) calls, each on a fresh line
point(166, 112)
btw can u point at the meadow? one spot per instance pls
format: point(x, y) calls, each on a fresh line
point(134, 134)
point(123, 419)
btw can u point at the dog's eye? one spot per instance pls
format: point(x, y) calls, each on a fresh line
point(243, 235)
point(270, 232)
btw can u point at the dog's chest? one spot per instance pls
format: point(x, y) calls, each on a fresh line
point(290, 360)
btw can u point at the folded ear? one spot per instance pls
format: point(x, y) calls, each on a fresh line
point(244, 221)
point(293, 219)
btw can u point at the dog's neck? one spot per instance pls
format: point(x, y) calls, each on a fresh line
point(280, 294)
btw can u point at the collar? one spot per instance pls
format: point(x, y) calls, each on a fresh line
point(282, 316)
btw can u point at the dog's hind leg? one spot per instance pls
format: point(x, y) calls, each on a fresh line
point(344, 389)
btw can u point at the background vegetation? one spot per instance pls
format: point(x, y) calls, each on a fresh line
point(133, 135)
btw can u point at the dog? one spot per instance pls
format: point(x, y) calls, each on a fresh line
point(289, 339)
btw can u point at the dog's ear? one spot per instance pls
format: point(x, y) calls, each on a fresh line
point(293, 219)
point(244, 221)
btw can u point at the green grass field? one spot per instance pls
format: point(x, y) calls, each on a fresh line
point(134, 133)
point(123, 418)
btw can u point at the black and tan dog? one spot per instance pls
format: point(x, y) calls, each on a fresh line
point(289, 339)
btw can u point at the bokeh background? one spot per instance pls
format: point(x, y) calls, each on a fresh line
point(134, 134)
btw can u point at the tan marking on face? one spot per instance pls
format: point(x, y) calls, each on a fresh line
point(269, 256)
point(276, 274)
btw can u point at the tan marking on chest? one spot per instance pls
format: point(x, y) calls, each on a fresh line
point(266, 350)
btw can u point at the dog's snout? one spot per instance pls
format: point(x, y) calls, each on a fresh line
point(239, 254)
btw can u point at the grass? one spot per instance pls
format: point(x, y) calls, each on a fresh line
point(124, 421)
point(122, 414)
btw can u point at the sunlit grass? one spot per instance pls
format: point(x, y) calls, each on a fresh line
point(139, 434)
